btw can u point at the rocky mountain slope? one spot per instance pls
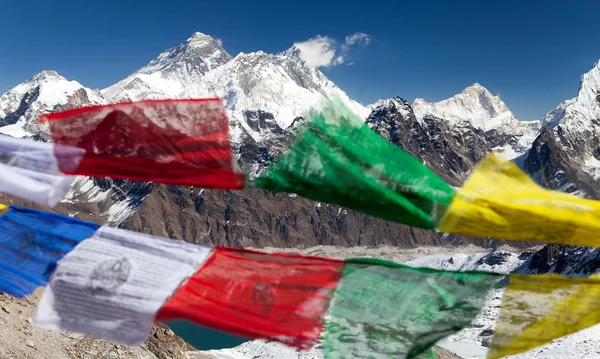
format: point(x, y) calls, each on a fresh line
point(476, 108)
point(566, 153)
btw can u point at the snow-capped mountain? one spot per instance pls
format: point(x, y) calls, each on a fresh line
point(43, 93)
point(449, 151)
point(475, 107)
point(285, 87)
point(582, 112)
point(566, 153)
point(175, 73)
point(265, 94)
point(47, 92)
point(281, 86)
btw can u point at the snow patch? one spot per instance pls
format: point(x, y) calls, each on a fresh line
point(119, 212)
point(261, 349)
point(465, 350)
point(592, 166)
point(15, 130)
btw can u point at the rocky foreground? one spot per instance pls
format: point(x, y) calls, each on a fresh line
point(20, 339)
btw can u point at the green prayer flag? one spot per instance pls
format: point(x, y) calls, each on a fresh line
point(387, 310)
point(338, 159)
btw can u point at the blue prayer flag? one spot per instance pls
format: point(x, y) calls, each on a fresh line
point(31, 244)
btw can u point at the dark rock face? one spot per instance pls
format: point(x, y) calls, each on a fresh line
point(252, 153)
point(257, 218)
point(553, 162)
point(449, 152)
point(494, 258)
point(259, 120)
point(26, 101)
point(573, 261)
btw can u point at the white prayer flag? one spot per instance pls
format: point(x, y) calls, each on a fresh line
point(31, 170)
point(112, 285)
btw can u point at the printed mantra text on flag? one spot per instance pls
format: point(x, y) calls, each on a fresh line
point(112, 284)
point(170, 141)
point(275, 296)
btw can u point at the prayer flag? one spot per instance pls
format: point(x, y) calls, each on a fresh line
point(112, 284)
point(338, 159)
point(501, 201)
point(274, 296)
point(30, 169)
point(182, 142)
point(31, 243)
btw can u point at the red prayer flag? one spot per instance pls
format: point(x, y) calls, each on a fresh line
point(182, 142)
point(276, 296)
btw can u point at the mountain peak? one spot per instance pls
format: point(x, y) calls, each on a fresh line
point(198, 35)
point(201, 52)
point(176, 71)
point(397, 103)
point(581, 112)
point(293, 53)
point(590, 81)
point(44, 92)
point(475, 105)
point(478, 90)
point(199, 39)
point(46, 76)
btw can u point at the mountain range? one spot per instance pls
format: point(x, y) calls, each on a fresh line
point(266, 96)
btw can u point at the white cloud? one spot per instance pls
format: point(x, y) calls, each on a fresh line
point(219, 42)
point(323, 51)
point(318, 51)
point(358, 38)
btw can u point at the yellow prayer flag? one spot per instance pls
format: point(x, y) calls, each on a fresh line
point(3, 207)
point(501, 201)
point(538, 309)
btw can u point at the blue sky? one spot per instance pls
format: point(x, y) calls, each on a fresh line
point(531, 52)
